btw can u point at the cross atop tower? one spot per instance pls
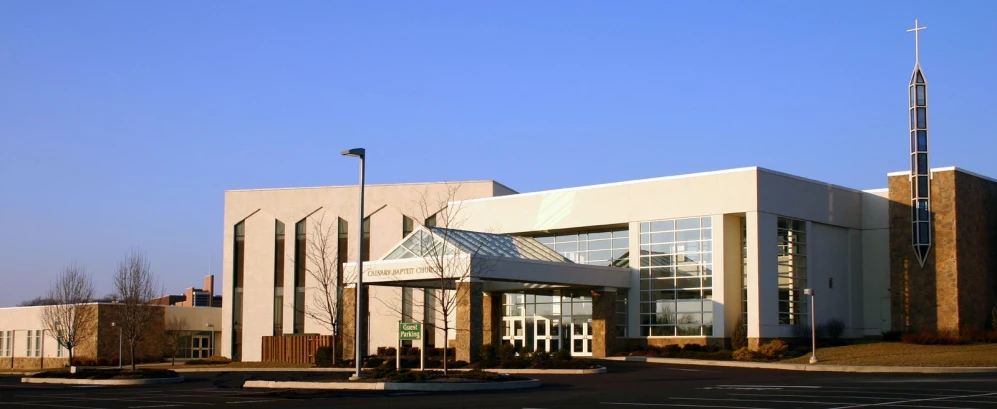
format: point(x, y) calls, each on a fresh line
point(917, 41)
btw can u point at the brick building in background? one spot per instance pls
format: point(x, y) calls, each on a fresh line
point(194, 297)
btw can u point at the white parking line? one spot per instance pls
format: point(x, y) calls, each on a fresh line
point(253, 401)
point(914, 400)
point(48, 405)
point(684, 406)
point(152, 406)
point(772, 386)
point(765, 401)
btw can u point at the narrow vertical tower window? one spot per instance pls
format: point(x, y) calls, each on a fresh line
point(920, 175)
point(278, 279)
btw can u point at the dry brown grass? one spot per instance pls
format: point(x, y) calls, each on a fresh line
point(900, 354)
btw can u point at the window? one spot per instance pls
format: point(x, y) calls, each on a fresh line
point(430, 221)
point(34, 343)
point(407, 226)
point(599, 248)
point(278, 278)
point(59, 349)
point(238, 269)
point(300, 268)
point(407, 304)
point(744, 270)
point(6, 342)
point(366, 239)
point(344, 246)
point(430, 303)
point(676, 277)
point(622, 313)
point(792, 270)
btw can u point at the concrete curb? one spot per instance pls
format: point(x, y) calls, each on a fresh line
point(590, 371)
point(397, 386)
point(190, 370)
point(806, 367)
point(108, 382)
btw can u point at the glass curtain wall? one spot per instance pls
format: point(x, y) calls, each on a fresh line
point(602, 248)
point(676, 277)
point(238, 278)
point(548, 321)
point(792, 271)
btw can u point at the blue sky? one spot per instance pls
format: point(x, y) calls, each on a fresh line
point(122, 123)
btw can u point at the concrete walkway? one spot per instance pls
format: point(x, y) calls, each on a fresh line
point(805, 367)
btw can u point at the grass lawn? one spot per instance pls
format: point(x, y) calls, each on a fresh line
point(900, 354)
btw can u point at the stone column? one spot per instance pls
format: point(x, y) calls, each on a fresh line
point(492, 316)
point(470, 320)
point(603, 322)
point(349, 322)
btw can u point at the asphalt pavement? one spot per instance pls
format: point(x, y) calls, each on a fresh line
point(626, 385)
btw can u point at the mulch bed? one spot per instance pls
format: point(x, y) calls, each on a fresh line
point(141, 373)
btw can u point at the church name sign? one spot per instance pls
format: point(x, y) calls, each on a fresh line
point(398, 271)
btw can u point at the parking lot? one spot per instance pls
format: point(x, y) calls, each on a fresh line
point(628, 384)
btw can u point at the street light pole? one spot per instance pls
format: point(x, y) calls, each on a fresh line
point(813, 325)
point(115, 324)
point(362, 154)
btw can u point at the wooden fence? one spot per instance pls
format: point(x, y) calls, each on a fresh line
point(297, 349)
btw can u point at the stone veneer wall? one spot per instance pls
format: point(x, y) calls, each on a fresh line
point(976, 226)
point(955, 288)
point(470, 320)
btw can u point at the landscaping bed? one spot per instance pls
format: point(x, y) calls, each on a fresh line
point(108, 374)
point(903, 354)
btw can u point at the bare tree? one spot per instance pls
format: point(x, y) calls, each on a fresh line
point(175, 330)
point(326, 284)
point(69, 319)
point(135, 287)
point(447, 266)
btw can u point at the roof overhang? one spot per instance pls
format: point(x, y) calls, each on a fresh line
point(499, 273)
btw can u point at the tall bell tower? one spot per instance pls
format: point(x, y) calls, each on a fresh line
point(920, 175)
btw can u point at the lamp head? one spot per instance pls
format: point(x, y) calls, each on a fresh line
point(114, 324)
point(358, 152)
point(808, 291)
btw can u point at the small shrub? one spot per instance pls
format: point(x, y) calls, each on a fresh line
point(773, 349)
point(739, 337)
point(323, 357)
point(538, 358)
point(489, 353)
point(373, 362)
point(101, 361)
point(835, 328)
point(670, 350)
point(891, 336)
point(411, 351)
point(692, 348)
point(506, 352)
point(561, 355)
point(524, 350)
point(743, 354)
point(386, 351)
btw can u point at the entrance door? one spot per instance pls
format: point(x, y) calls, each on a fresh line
point(514, 331)
point(547, 334)
point(581, 337)
point(201, 347)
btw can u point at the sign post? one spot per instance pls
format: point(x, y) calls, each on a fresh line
point(407, 331)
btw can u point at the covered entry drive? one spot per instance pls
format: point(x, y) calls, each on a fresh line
point(508, 289)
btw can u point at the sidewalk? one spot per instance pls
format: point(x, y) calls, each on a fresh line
point(807, 368)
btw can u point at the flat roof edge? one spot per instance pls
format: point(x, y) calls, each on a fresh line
point(610, 184)
point(947, 169)
point(366, 185)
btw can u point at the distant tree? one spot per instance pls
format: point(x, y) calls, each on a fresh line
point(37, 301)
point(175, 330)
point(68, 317)
point(134, 287)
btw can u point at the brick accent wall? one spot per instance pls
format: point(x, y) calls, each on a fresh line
point(603, 322)
point(954, 291)
point(470, 321)
point(976, 227)
point(349, 323)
